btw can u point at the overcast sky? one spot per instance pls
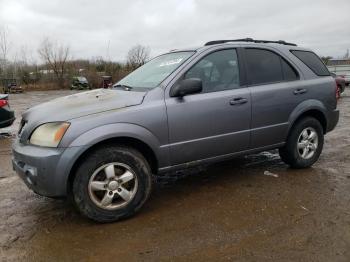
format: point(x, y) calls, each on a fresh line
point(89, 27)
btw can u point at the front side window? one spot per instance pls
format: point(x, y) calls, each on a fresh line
point(151, 74)
point(218, 71)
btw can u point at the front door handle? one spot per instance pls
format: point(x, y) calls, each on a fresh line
point(238, 101)
point(300, 91)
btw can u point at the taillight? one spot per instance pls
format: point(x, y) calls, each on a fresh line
point(337, 91)
point(3, 103)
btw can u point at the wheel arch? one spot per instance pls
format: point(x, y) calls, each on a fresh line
point(313, 109)
point(131, 135)
point(135, 143)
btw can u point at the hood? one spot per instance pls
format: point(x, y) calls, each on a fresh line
point(82, 104)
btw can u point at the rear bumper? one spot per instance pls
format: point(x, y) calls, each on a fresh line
point(333, 119)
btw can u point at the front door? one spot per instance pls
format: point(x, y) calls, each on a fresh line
point(216, 121)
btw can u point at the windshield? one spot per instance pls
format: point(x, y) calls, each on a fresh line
point(151, 74)
point(82, 79)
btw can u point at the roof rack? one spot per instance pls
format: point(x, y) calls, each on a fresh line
point(251, 40)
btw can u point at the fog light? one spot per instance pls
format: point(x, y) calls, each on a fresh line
point(29, 175)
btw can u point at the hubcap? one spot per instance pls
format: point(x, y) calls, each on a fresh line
point(112, 186)
point(307, 143)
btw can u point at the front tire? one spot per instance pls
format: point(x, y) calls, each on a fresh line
point(304, 143)
point(112, 184)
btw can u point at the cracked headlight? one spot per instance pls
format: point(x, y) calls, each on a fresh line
point(49, 134)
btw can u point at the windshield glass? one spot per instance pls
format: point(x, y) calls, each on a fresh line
point(151, 74)
point(82, 79)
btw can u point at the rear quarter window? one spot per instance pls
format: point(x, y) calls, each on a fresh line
point(312, 61)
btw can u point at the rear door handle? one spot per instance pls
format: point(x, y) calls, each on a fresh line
point(300, 91)
point(238, 101)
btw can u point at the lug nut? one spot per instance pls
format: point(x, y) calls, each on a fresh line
point(110, 193)
point(119, 190)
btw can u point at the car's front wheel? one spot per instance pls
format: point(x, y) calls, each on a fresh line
point(112, 184)
point(304, 144)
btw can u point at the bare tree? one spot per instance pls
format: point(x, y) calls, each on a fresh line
point(22, 65)
point(137, 56)
point(55, 55)
point(4, 48)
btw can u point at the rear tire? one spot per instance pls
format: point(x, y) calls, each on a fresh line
point(304, 143)
point(112, 184)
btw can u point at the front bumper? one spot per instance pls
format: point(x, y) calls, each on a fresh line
point(44, 170)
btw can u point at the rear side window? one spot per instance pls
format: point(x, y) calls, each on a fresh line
point(312, 61)
point(265, 66)
point(289, 72)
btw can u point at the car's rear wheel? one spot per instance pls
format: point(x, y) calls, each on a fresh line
point(304, 143)
point(112, 184)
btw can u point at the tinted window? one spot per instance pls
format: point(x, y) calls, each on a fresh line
point(263, 66)
point(312, 61)
point(289, 72)
point(218, 71)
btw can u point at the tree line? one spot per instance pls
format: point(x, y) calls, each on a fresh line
point(56, 67)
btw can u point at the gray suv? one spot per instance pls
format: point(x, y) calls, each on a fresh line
point(181, 109)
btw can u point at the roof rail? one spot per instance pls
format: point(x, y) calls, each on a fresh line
point(251, 40)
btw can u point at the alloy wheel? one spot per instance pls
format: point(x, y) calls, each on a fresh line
point(112, 186)
point(307, 143)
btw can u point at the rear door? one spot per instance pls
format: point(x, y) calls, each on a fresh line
point(275, 91)
point(215, 122)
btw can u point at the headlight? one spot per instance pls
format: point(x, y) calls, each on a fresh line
point(49, 135)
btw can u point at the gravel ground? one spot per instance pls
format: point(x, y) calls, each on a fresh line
point(249, 209)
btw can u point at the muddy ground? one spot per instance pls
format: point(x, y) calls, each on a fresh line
point(227, 211)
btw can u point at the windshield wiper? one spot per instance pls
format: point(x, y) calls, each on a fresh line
point(126, 87)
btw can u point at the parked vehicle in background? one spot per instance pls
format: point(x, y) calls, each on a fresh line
point(340, 67)
point(346, 78)
point(7, 116)
point(11, 86)
point(184, 108)
point(340, 84)
point(79, 83)
point(106, 82)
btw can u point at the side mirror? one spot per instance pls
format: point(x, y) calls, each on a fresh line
point(187, 87)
